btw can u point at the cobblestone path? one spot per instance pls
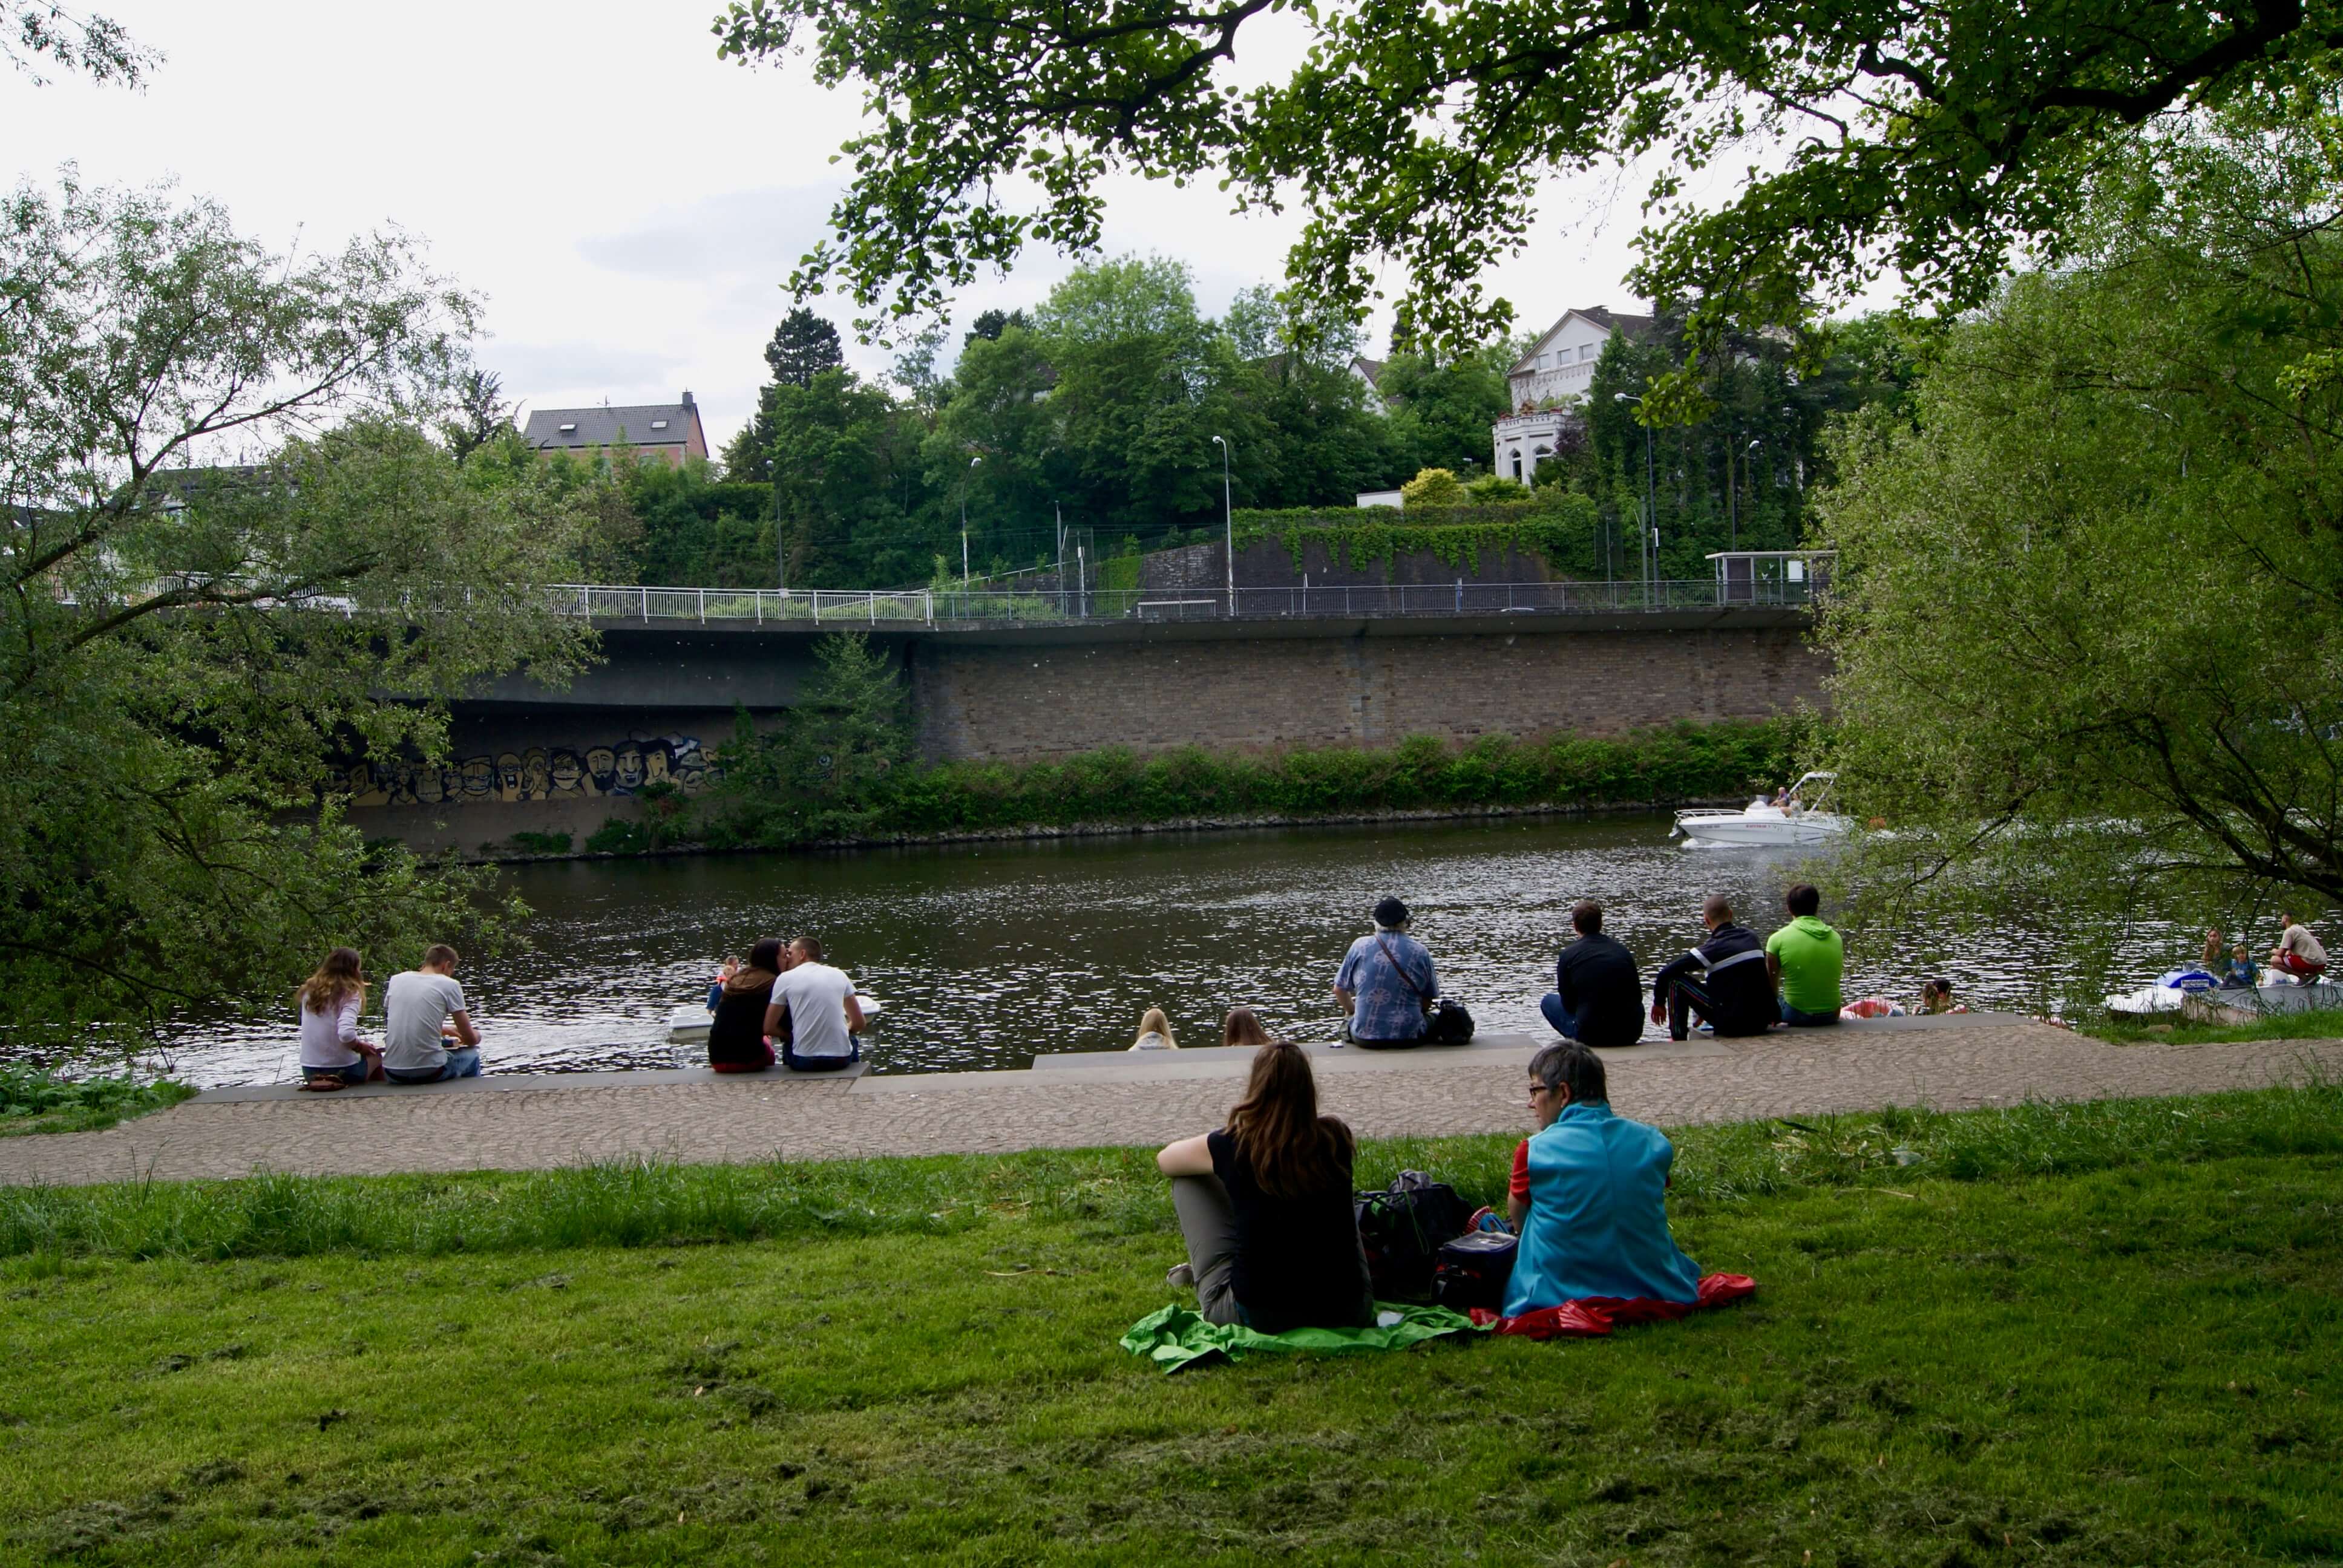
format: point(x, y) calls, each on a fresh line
point(1849, 1069)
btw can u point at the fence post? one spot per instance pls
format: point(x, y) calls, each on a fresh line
point(874, 609)
point(703, 607)
point(815, 594)
point(761, 607)
point(927, 605)
point(647, 604)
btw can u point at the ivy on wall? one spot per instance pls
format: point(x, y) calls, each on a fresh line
point(1565, 530)
point(1118, 573)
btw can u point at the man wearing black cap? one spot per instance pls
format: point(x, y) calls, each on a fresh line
point(1386, 982)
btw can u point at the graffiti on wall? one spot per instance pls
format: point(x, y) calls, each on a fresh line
point(539, 773)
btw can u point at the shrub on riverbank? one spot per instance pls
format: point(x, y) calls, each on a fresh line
point(1654, 767)
point(34, 1099)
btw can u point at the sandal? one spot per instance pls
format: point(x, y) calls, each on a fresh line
point(323, 1085)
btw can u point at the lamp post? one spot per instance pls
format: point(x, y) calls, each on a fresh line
point(1733, 490)
point(972, 462)
point(1650, 499)
point(1228, 514)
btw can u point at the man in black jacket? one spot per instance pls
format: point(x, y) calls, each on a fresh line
point(1724, 979)
point(1597, 998)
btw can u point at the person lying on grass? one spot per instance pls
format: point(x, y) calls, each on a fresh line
point(1589, 1197)
point(1264, 1206)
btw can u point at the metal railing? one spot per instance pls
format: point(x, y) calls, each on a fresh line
point(980, 607)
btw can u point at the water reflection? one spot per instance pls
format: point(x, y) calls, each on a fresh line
point(988, 955)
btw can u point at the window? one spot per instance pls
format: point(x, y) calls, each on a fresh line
point(1586, 350)
point(659, 424)
point(569, 429)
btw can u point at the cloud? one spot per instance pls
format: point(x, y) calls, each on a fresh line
point(736, 235)
point(582, 370)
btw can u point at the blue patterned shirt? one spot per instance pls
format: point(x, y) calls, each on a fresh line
point(1385, 1008)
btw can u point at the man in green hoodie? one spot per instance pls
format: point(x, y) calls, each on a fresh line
point(1805, 959)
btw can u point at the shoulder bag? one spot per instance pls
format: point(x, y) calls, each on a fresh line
point(1445, 1023)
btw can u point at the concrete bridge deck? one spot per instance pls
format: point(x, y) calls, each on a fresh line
point(514, 1123)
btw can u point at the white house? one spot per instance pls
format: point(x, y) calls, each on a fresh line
point(1548, 386)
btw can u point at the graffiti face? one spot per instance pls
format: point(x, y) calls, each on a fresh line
point(402, 783)
point(629, 774)
point(568, 773)
point(430, 786)
point(690, 763)
point(536, 774)
point(601, 767)
point(655, 761)
point(508, 776)
point(479, 780)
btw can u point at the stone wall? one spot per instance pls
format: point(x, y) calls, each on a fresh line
point(1018, 702)
point(1200, 568)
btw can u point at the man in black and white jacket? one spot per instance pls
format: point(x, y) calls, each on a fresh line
point(1723, 980)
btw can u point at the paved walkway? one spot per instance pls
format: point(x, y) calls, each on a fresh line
point(516, 1123)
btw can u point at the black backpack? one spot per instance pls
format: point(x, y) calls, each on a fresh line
point(1402, 1228)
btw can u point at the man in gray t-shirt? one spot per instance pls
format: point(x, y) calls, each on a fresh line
point(420, 1008)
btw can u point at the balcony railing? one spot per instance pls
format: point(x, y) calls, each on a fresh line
point(980, 607)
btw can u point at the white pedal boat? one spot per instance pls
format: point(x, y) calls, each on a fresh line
point(688, 1024)
point(1762, 825)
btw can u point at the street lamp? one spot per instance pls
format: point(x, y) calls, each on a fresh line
point(972, 462)
point(1229, 513)
point(1650, 499)
point(1733, 492)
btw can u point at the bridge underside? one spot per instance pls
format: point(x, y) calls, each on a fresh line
point(665, 694)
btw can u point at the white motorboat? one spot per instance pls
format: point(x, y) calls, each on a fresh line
point(688, 1024)
point(1762, 825)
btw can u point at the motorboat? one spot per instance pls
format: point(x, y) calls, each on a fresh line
point(2172, 989)
point(688, 1024)
point(1801, 819)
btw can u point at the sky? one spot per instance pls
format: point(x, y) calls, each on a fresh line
point(628, 205)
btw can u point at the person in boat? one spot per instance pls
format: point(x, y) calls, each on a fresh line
point(332, 1054)
point(1936, 996)
point(1725, 980)
point(1265, 1204)
point(2214, 946)
point(1154, 1033)
point(1242, 1027)
point(724, 971)
point(1806, 960)
point(736, 1038)
point(1589, 1196)
point(2241, 970)
point(819, 1003)
point(1387, 982)
point(1597, 997)
point(2297, 953)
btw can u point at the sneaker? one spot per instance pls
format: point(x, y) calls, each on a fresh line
point(1181, 1277)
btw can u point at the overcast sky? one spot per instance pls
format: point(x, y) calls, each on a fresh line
point(628, 204)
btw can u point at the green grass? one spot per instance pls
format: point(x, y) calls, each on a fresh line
point(2099, 1334)
point(2180, 1032)
point(34, 1099)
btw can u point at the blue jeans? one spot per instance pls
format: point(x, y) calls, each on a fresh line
point(796, 1063)
point(1563, 1024)
point(1797, 1019)
point(464, 1064)
point(356, 1072)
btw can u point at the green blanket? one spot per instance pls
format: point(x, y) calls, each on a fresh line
point(1176, 1337)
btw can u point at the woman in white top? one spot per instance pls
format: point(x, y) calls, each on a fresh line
point(1154, 1033)
point(332, 1054)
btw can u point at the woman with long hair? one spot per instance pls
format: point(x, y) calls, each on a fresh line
point(1242, 1027)
point(1155, 1032)
point(332, 1054)
point(1264, 1205)
point(736, 1035)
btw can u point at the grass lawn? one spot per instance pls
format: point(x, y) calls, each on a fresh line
point(2179, 1030)
point(2094, 1335)
point(33, 1099)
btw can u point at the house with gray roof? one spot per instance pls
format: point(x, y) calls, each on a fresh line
point(655, 432)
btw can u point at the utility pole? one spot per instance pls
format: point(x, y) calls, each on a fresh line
point(1228, 514)
point(1651, 530)
point(964, 483)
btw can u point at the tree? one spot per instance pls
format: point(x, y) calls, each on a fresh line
point(187, 653)
point(1912, 136)
point(1441, 408)
point(804, 347)
point(1434, 488)
point(478, 416)
point(822, 775)
point(990, 324)
point(91, 45)
point(2088, 617)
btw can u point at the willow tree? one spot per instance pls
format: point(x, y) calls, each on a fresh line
point(1929, 138)
point(2089, 608)
point(228, 553)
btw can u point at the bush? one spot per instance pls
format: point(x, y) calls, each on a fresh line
point(540, 843)
point(619, 836)
point(1434, 488)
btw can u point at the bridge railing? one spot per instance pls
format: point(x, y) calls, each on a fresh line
point(955, 607)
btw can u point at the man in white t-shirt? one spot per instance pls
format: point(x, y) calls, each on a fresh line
point(2297, 953)
point(822, 1011)
point(421, 1009)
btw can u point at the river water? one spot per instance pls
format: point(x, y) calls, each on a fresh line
point(989, 955)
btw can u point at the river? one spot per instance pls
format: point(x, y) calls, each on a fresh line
point(990, 954)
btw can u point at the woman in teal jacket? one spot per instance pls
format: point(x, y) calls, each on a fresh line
point(1590, 1197)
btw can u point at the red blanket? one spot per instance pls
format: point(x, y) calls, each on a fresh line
point(1593, 1316)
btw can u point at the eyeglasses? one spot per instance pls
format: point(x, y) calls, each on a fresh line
point(1540, 1089)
